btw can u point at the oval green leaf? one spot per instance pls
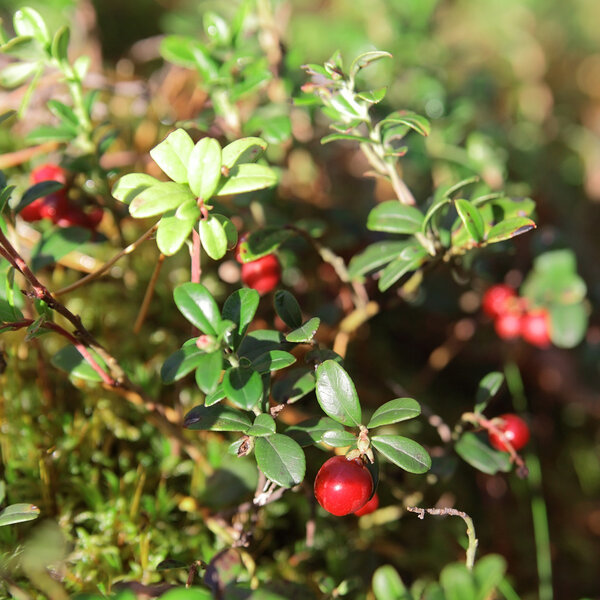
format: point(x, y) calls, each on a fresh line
point(273, 360)
point(288, 309)
point(393, 217)
point(180, 363)
point(204, 168)
point(213, 237)
point(216, 418)
point(281, 459)
point(246, 150)
point(240, 308)
point(262, 242)
point(246, 178)
point(243, 386)
point(403, 452)
point(175, 227)
point(387, 585)
point(488, 387)
point(457, 582)
point(479, 455)
point(209, 370)
point(310, 432)
point(337, 395)
point(338, 438)
point(394, 411)
point(375, 256)
point(263, 425)
point(172, 155)
point(509, 229)
point(158, 199)
point(131, 185)
point(18, 513)
point(305, 333)
point(198, 306)
point(471, 218)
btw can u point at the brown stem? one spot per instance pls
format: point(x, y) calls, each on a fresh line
point(148, 295)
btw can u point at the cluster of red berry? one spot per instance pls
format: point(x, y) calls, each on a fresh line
point(56, 206)
point(262, 274)
point(513, 317)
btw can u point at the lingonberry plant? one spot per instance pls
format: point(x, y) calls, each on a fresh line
point(248, 392)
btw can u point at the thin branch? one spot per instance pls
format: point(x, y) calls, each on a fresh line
point(148, 295)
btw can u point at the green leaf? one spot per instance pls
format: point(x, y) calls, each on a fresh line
point(213, 238)
point(471, 218)
point(50, 134)
point(488, 573)
point(263, 425)
point(334, 137)
point(18, 73)
point(216, 418)
point(412, 120)
point(175, 227)
point(305, 333)
point(64, 113)
point(60, 44)
point(394, 411)
point(70, 360)
point(457, 582)
point(209, 370)
point(262, 242)
point(231, 233)
point(273, 360)
point(375, 256)
point(198, 306)
point(243, 386)
point(488, 387)
point(373, 96)
point(129, 186)
point(215, 396)
point(568, 324)
point(180, 363)
point(246, 178)
point(182, 593)
point(479, 455)
point(281, 459)
point(158, 199)
point(310, 432)
point(240, 308)
point(337, 395)
point(338, 439)
point(403, 452)
point(393, 217)
point(18, 513)
point(410, 259)
point(172, 155)
point(293, 386)
point(365, 59)
point(216, 28)
point(387, 585)
point(56, 243)
point(7, 114)
point(245, 150)
point(29, 22)
point(508, 229)
point(38, 190)
point(25, 48)
point(204, 168)
point(260, 341)
point(287, 308)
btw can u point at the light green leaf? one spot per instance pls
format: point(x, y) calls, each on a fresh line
point(198, 306)
point(410, 259)
point(305, 333)
point(394, 411)
point(158, 199)
point(273, 360)
point(129, 186)
point(281, 459)
point(70, 360)
point(568, 324)
point(262, 242)
point(60, 44)
point(488, 573)
point(508, 229)
point(56, 243)
point(175, 227)
point(338, 439)
point(246, 178)
point(387, 585)
point(209, 370)
point(263, 425)
point(457, 582)
point(337, 395)
point(393, 217)
point(471, 218)
point(18, 513)
point(375, 256)
point(366, 58)
point(172, 155)
point(403, 452)
point(229, 228)
point(204, 168)
point(28, 22)
point(216, 418)
point(18, 73)
point(213, 237)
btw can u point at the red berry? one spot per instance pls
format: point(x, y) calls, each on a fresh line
point(263, 274)
point(72, 216)
point(515, 431)
point(32, 211)
point(54, 205)
point(48, 206)
point(497, 299)
point(48, 172)
point(343, 486)
point(508, 325)
point(535, 328)
point(371, 506)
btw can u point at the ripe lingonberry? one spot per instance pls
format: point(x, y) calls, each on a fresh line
point(343, 486)
point(496, 299)
point(508, 325)
point(535, 328)
point(371, 506)
point(48, 172)
point(262, 274)
point(514, 430)
point(48, 206)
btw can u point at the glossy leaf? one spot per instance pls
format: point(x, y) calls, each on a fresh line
point(198, 306)
point(246, 178)
point(175, 227)
point(479, 455)
point(305, 333)
point(208, 371)
point(180, 363)
point(403, 452)
point(158, 199)
point(273, 360)
point(70, 360)
point(231, 233)
point(394, 411)
point(409, 260)
point(213, 237)
point(338, 439)
point(509, 229)
point(296, 384)
point(129, 186)
point(336, 137)
point(387, 585)
point(288, 309)
point(488, 387)
point(393, 217)
point(204, 167)
point(263, 425)
point(281, 459)
point(375, 256)
point(243, 386)
point(172, 155)
point(262, 242)
point(259, 341)
point(216, 418)
point(471, 218)
point(310, 432)
point(240, 308)
point(245, 150)
point(337, 395)
point(18, 513)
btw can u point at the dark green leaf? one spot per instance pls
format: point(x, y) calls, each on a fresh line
point(375, 256)
point(129, 186)
point(288, 309)
point(172, 155)
point(393, 217)
point(70, 360)
point(281, 459)
point(305, 333)
point(246, 178)
point(216, 418)
point(338, 439)
point(38, 190)
point(213, 237)
point(471, 218)
point(387, 585)
point(309, 432)
point(509, 229)
point(198, 306)
point(404, 452)
point(273, 360)
point(394, 411)
point(18, 513)
point(243, 386)
point(293, 386)
point(240, 308)
point(262, 242)
point(479, 455)
point(260, 341)
point(204, 167)
point(457, 582)
point(245, 150)
point(488, 387)
point(337, 395)
point(263, 425)
point(182, 362)
point(158, 199)
point(208, 372)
